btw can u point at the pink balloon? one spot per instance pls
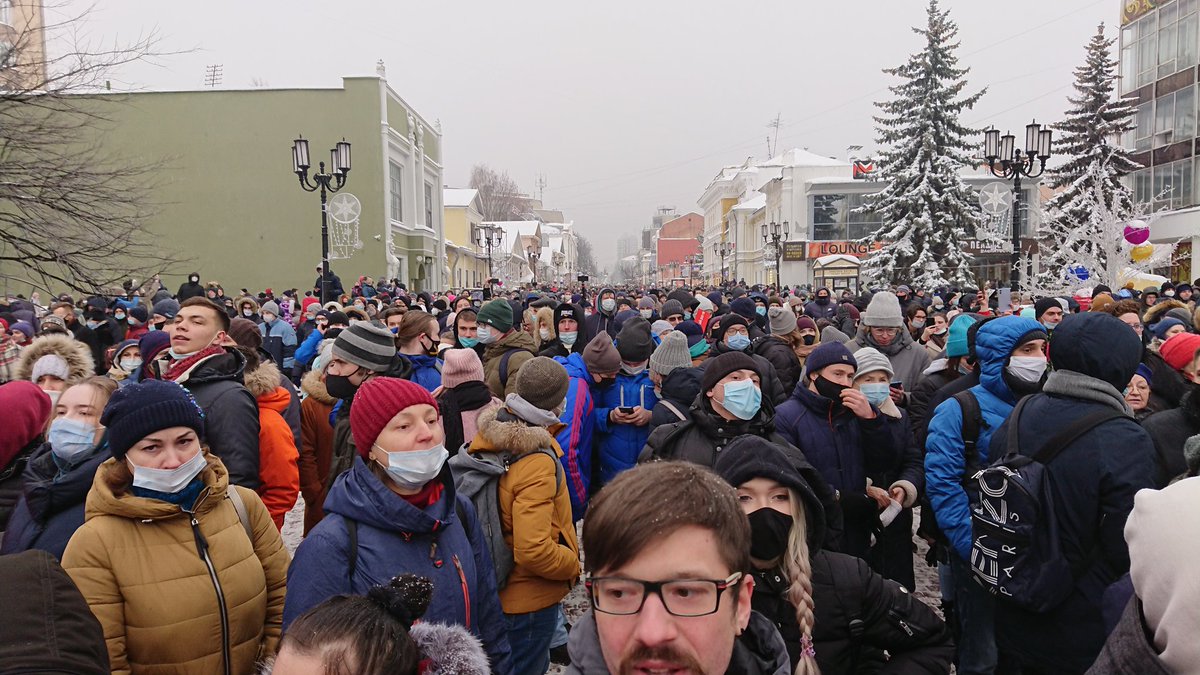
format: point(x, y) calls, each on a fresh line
point(1137, 235)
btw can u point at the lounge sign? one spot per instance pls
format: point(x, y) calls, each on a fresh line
point(817, 249)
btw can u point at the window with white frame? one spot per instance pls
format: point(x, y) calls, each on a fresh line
point(396, 190)
point(428, 205)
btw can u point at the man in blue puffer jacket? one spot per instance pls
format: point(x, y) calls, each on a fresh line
point(622, 435)
point(1007, 352)
point(598, 364)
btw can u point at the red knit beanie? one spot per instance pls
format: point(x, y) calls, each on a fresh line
point(1179, 350)
point(377, 402)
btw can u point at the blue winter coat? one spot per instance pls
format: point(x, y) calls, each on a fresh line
point(619, 444)
point(279, 339)
point(840, 446)
point(51, 504)
point(944, 462)
point(575, 438)
point(307, 351)
point(426, 370)
point(395, 537)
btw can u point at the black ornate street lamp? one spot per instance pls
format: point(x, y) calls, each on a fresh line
point(725, 250)
point(773, 235)
point(489, 236)
point(533, 254)
point(339, 167)
point(1007, 161)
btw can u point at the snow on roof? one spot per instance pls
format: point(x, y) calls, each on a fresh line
point(524, 228)
point(752, 204)
point(826, 260)
point(801, 157)
point(458, 196)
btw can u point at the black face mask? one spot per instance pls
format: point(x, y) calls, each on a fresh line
point(822, 299)
point(606, 381)
point(160, 325)
point(340, 386)
point(808, 339)
point(830, 389)
point(769, 532)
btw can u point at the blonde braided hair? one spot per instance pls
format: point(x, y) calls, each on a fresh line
point(797, 568)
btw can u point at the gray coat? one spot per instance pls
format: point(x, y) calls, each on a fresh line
point(1127, 649)
point(908, 358)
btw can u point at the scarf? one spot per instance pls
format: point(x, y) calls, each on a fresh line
point(468, 396)
point(1071, 384)
point(176, 369)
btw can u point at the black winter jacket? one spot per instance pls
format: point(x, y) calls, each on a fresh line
point(1169, 430)
point(11, 479)
point(782, 356)
point(680, 388)
point(51, 506)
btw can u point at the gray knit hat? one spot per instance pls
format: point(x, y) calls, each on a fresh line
point(601, 356)
point(368, 344)
point(543, 382)
point(270, 307)
point(671, 308)
point(870, 360)
point(671, 353)
point(782, 320)
point(167, 308)
point(883, 311)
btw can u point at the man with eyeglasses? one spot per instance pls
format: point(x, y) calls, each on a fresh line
point(883, 329)
point(667, 547)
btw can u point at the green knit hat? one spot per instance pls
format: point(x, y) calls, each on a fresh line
point(498, 314)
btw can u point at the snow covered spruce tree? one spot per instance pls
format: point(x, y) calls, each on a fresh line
point(926, 208)
point(1092, 170)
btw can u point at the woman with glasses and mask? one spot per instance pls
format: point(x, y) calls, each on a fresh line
point(396, 511)
point(169, 545)
point(835, 615)
point(60, 472)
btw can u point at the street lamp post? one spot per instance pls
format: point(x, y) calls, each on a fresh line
point(489, 236)
point(774, 234)
point(1007, 161)
point(725, 250)
point(533, 255)
point(339, 167)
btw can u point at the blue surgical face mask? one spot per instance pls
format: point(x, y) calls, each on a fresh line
point(876, 392)
point(468, 341)
point(484, 334)
point(687, 316)
point(742, 399)
point(761, 311)
point(169, 481)
point(93, 324)
point(1049, 326)
point(411, 470)
point(738, 342)
point(568, 337)
point(71, 439)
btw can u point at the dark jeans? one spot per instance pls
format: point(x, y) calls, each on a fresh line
point(529, 636)
point(975, 608)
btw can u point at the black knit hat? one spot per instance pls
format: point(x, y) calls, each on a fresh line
point(140, 409)
point(718, 367)
point(727, 321)
point(1040, 307)
point(748, 457)
point(634, 343)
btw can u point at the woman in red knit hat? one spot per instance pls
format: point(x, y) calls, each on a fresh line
point(396, 511)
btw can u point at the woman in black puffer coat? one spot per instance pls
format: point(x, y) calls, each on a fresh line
point(833, 612)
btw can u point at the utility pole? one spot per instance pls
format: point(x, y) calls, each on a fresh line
point(540, 183)
point(212, 75)
point(773, 143)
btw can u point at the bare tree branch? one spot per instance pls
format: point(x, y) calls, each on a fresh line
point(500, 198)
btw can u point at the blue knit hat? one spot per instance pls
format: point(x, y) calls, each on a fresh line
point(1160, 329)
point(143, 408)
point(828, 354)
point(956, 336)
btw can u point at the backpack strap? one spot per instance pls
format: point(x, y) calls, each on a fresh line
point(558, 469)
point(1072, 433)
point(1012, 448)
point(671, 406)
point(239, 507)
point(504, 367)
point(972, 423)
point(352, 532)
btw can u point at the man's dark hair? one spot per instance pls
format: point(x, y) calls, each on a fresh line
point(219, 311)
point(649, 502)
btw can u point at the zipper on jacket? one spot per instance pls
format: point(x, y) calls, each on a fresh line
point(462, 579)
point(202, 547)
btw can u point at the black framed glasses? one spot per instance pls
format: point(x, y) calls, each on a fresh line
point(680, 597)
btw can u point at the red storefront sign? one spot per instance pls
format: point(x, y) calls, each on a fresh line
point(817, 249)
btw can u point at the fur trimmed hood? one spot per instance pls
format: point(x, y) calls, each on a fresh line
point(515, 437)
point(312, 386)
point(450, 650)
point(262, 380)
point(75, 353)
point(1158, 310)
point(237, 303)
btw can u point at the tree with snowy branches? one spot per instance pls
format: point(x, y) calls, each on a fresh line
point(926, 209)
point(1094, 160)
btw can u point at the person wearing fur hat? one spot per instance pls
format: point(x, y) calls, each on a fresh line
point(219, 564)
point(841, 432)
point(815, 596)
point(734, 334)
point(397, 510)
point(623, 410)
point(380, 633)
point(54, 362)
point(883, 329)
point(505, 348)
point(894, 486)
point(779, 346)
point(534, 509)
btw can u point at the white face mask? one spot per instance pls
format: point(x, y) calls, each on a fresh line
point(1027, 368)
point(544, 333)
point(169, 481)
point(608, 304)
point(413, 469)
point(485, 335)
point(646, 313)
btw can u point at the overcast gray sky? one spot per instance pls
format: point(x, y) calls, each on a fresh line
point(624, 106)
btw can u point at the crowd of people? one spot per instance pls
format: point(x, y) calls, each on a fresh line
point(740, 475)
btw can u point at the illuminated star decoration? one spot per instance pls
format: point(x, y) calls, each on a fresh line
point(344, 210)
point(995, 198)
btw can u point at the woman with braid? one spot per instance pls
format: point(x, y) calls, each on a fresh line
point(836, 615)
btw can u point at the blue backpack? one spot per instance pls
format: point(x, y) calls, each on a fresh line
point(1016, 552)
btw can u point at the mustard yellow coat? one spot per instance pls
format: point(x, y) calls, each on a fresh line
point(137, 562)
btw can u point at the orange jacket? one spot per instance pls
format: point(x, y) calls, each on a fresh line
point(278, 471)
point(316, 436)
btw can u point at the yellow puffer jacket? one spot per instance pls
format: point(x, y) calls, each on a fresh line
point(535, 515)
point(137, 562)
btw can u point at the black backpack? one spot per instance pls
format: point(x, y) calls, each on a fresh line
point(972, 423)
point(1016, 552)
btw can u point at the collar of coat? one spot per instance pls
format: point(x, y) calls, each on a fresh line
point(110, 495)
point(515, 436)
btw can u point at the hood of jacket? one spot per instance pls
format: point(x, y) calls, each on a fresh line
point(262, 380)
point(313, 386)
point(237, 304)
point(513, 436)
point(1158, 311)
point(47, 493)
point(449, 649)
point(759, 650)
point(110, 495)
point(596, 303)
point(518, 339)
point(422, 360)
point(682, 385)
point(360, 495)
point(994, 343)
point(75, 353)
point(575, 367)
point(1093, 344)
